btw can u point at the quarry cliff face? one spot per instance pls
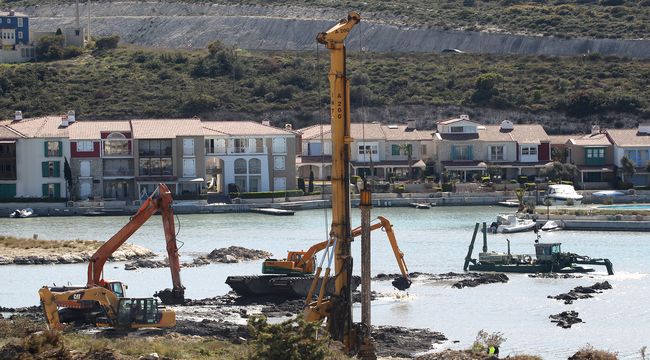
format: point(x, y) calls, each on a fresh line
point(183, 25)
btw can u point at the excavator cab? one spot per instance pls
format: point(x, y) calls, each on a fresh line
point(117, 287)
point(138, 313)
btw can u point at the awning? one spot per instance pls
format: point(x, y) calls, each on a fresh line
point(7, 141)
point(420, 164)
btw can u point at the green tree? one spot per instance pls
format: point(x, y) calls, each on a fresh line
point(407, 149)
point(310, 188)
point(67, 174)
point(485, 87)
point(559, 171)
point(50, 47)
point(627, 167)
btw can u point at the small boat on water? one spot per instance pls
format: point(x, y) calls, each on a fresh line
point(562, 194)
point(420, 205)
point(551, 226)
point(273, 211)
point(509, 203)
point(22, 213)
point(510, 223)
point(608, 193)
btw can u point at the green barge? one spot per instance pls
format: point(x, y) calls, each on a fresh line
point(549, 258)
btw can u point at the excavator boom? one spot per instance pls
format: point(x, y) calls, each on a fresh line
point(161, 200)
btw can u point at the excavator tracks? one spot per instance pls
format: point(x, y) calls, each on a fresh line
point(279, 285)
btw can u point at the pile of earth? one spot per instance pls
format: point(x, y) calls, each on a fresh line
point(460, 280)
point(396, 341)
point(232, 254)
point(582, 292)
point(566, 319)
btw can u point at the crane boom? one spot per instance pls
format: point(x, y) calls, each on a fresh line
point(339, 318)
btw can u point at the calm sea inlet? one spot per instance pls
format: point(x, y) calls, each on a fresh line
point(433, 241)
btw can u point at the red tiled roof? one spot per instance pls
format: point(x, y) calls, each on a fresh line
point(241, 128)
point(629, 137)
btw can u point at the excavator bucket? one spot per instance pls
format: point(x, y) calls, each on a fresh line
point(401, 283)
point(170, 297)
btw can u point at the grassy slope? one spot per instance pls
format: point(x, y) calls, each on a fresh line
point(132, 83)
point(628, 19)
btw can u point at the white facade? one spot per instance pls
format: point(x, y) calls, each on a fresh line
point(30, 157)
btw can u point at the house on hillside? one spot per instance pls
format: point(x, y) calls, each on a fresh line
point(465, 149)
point(15, 37)
point(635, 144)
point(253, 156)
point(382, 151)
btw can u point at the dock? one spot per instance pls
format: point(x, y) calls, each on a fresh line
point(272, 211)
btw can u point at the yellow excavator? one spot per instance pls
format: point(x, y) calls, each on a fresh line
point(103, 302)
point(304, 262)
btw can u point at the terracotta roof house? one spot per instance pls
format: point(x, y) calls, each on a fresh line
point(466, 148)
point(635, 145)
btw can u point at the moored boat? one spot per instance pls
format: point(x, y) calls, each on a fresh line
point(22, 213)
point(562, 194)
point(510, 223)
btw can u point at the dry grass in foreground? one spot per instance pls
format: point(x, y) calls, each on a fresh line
point(11, 242)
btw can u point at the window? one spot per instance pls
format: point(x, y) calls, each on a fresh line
point(461, 152)
point(365, 149)
point(278, 163)
point(423, 149)
point(85, 146)
point(118, 167)
point(215, 146)
point(53, 148)
point(279, 145)
point(255, 166)
point(188, 147)
point(239, 145)
point(259, 145)
point(529, 150)
point(116, 144)
point(51, 190)
point(9, 21)
point(156, 167)
point(456, 129)
point(189, 168)
point(595, 153)
point(20, 22)
point(496, 153)
point(51, 169)
point(240, 166)
point(394, 150)
point(155, 147)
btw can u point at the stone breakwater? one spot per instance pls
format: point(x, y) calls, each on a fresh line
point(129, 252)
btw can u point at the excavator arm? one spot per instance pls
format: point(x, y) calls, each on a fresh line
point(161, 199)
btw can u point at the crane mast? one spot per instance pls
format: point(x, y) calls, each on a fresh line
point(339, 319)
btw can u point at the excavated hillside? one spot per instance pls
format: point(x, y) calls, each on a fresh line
point(256, 27)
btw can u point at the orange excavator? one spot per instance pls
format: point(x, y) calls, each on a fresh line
point(104, 302)
point(304, 262)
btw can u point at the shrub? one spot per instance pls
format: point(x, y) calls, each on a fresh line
point(50, 47)
point(293, 339)
point(107, 42)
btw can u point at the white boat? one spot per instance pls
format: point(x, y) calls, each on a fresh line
point(608, 193)
point(22, 213)
point(551, 226)
point(509, 203)
point(420, 205)
point(561, 194)
point(510, 224)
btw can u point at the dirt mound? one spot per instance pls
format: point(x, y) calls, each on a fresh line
point(565, 319)
point(453, 355)
point(40, 345)
point(220, 329)
point(582, 292)
point(589, 353)
point(237, 253)
point(404, 342)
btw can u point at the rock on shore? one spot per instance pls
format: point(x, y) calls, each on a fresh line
point(582, 292)
point(566, 319)
point(461, 280)
point(232, 254)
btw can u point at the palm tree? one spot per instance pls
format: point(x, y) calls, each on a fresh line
point(408, 149)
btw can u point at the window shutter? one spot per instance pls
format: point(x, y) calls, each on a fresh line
point(470, 156)
point(60, 148)
point(45, 149)
point(453, 152)
point(57, 190)
point(57, 172)
point(45, 194)
point(45, 169)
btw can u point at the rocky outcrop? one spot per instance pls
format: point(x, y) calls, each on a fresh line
point(129, 252)
point(184, 25)
point(582, 292)
point(566, 319)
